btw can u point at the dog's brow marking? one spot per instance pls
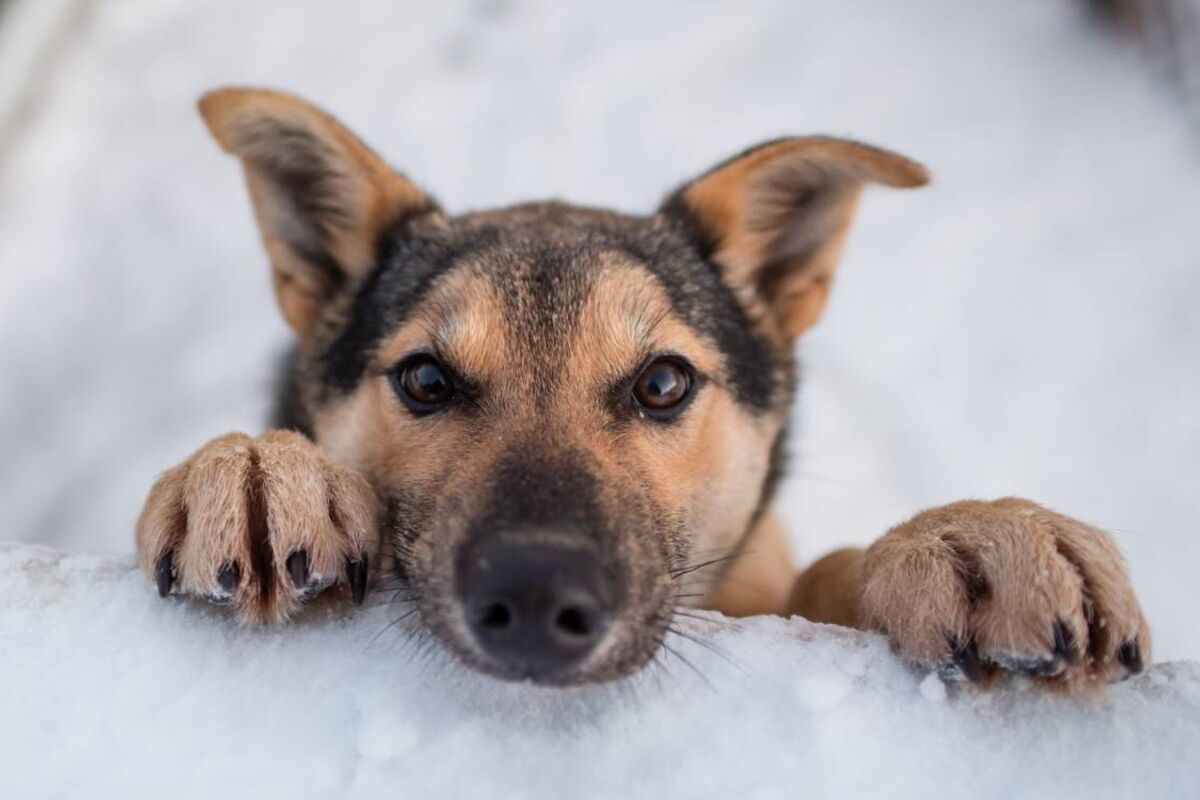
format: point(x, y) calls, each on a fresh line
point(626, 319)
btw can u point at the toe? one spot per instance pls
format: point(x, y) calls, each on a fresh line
point(965, 658)
point(229, 576)
point(1066, 644)
point(164, 573)
point(1130, 657)
point(161, 527)
point(356, 573)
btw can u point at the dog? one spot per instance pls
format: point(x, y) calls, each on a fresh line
point(554, 426)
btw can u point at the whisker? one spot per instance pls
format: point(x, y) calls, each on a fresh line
point(715, 649)
point(757, 591)
point(388, 588)
point(679, 573)
point(687, 663)
point(404, 592)
point(655, 670)
point(388, 603)
point(390, 625)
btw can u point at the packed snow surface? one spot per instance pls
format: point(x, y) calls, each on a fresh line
point(109, 691)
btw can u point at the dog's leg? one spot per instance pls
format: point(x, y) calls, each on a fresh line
point(980, 587)
point(261, 524)
point(830, 589)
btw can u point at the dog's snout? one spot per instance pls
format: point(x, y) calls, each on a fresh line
point(537, 608)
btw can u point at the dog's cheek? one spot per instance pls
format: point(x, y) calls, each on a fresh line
point(713, 482)
point(650, 595)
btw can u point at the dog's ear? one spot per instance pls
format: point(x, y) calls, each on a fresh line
point(321, 197)
point(774, 219)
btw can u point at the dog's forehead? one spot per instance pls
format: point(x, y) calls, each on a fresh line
point(524, 279)
point(546, 313)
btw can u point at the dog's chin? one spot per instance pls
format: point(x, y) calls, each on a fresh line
point(613, 660)
point(571, 676)
point(583, 675)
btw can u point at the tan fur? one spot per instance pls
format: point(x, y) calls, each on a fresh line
point(830, 590)
point(1002, 574)
point(759, 580)
point(270, 131)
point(708, 468)
point(200, 509)
point(371, 432)
point(741, 203)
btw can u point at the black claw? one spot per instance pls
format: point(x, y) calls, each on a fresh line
point(356, 570)
point(966, 657)
point(297, 567)
point(228, 577)
point(1130, 656)
point(164, 573)
point(1065, 646)
point(1042, 669)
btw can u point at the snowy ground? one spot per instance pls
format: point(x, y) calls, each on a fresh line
point(118, 695)
point(1026, 326)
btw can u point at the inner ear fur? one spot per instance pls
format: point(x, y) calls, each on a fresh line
point(321, 197)
point(775, 218)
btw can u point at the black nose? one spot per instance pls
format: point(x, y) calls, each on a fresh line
point(537, 608)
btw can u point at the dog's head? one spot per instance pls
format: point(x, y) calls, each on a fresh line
point(561, 408)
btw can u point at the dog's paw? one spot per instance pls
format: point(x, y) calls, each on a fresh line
point(979, 588)
point(261, 524)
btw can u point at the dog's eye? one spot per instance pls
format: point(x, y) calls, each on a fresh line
point(663, 385)
point(422, 384)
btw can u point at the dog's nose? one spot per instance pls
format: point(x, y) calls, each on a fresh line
point(537, 608)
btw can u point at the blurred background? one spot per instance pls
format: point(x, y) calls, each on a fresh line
point(1027, 325)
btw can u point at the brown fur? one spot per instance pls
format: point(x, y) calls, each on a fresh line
point(544, 313)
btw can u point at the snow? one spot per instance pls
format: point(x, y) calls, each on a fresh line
point(1025, 326)
point(110, 692)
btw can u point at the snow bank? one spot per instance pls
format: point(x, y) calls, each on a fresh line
point(109, 691)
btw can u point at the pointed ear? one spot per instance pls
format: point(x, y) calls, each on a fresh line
point(775, 218)
point(321, 197)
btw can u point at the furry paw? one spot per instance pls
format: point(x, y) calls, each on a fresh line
point(261, 524)
point(979, 588)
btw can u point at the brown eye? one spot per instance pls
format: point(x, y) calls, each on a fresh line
point(663, 385)
point(423, 384)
